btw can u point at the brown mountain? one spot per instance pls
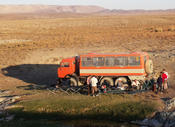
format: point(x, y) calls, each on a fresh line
point(8, 9)
point(56, 9)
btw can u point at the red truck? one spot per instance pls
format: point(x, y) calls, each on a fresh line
point(108, 68)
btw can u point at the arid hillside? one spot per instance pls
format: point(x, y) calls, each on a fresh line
point(74, 9)
point(37, 9)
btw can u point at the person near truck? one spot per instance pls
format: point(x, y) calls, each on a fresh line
point(135, 84)
point(88, 81)
point(164, 79)
point(94, 82)
point(159, 83)
point(167, 77)
point(103, 87)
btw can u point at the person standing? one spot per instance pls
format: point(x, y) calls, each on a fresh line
point(164, 71)
point(159, 83)
point(94, 82)
point(89, 84)
point(164, 79)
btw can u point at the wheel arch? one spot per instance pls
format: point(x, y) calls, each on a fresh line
point(126, 77)
point(110, 80)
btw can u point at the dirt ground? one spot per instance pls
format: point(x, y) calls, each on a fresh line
point(31, 49)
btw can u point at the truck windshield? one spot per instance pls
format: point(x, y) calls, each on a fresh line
point(65, 64)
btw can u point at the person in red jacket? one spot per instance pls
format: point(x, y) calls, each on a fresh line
point(164, 79)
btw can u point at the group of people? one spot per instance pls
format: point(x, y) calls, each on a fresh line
point(162, 81)
point(162, 84)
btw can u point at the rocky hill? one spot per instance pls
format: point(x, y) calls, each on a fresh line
point(79, 9)
point(7, 9)
point(138, 11)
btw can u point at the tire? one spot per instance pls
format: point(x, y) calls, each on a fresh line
point(73, 81)
point(108, 81)
point(124, 81)
point(149, 66)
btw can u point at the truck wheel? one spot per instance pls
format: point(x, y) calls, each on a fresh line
point(149, 66)
point(124, 81)
point(73, 81)
point(107, 81)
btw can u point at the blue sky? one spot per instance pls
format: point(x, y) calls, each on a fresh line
point(110, 4)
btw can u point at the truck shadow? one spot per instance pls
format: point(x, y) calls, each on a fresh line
point(37, 74)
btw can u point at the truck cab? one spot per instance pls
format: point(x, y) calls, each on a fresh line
point(67, 67)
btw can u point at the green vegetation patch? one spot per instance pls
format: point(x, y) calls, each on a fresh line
point(74, 107)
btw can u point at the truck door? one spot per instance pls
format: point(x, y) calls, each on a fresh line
point(66, 68)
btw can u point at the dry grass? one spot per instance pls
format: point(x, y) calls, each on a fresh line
point(104, 107)
point(137, 32)
point(88, 30)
